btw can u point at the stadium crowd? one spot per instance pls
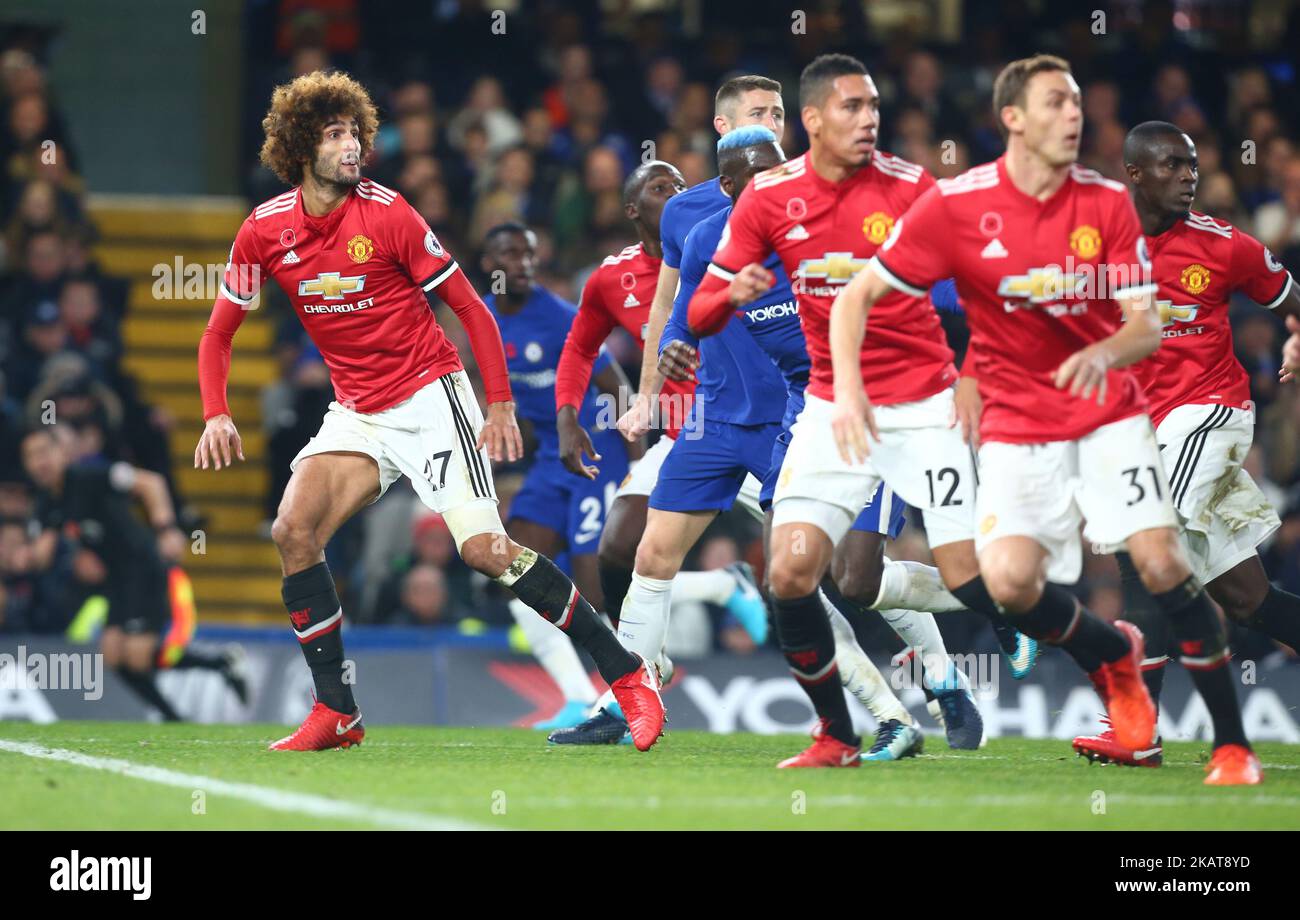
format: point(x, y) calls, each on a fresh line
point(60, 346)
point(541, 123)
point(575, 99)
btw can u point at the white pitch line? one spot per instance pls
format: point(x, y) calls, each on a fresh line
point(276, 799)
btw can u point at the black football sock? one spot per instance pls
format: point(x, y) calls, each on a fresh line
point(317, 620)
point(1278, 617)
point(1202, 644)
point(1141, 610)
point(1059, 619)
point(537, 582)
point(1153, 675)
point(854, 612)
point(143, 685)
point(614, 583)
point(809, 648)
point(976, 597)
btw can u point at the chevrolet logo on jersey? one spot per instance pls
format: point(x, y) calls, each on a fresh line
point(1171, 312)
point(834, 267)
point(331, 286)
point(1041, 285)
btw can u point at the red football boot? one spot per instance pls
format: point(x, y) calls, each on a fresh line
point(1104, 748)
point(637, 693)
point(1234, 765)
point(324, 728)
point(825, 751)
point(1132, 714)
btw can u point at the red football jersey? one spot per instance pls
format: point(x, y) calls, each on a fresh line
point(618, 293)
point(825, 233)
point(1038, 280)
point(1198, 263)
point(356, 278)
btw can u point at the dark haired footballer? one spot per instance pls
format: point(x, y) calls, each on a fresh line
point(358, 264)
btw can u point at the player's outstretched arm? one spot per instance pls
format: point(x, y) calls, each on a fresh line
point(612, 383)
point(853, 418)
point(1291, 351)
point(1084, 372)
point(219, 444)
point(1289, 309)
point(636, 421)
point(714, 300)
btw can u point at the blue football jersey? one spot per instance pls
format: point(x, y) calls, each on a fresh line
point(533, 339)
point(739, 381)
point(682, 212)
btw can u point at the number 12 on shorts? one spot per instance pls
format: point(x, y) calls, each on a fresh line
point(945, 474)
point(1134, 475)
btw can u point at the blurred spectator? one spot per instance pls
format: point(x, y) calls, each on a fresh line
point(1277, 224)
point(424, 598)
point(486, 107)
point(432, 547)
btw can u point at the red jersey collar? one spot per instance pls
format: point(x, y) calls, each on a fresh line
point(324, 224)
point(1004, 177)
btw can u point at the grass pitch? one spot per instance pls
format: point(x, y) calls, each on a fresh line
point(100, 775)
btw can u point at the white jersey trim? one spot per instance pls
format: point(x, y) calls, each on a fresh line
point(629, 252)
point(1136, 290)
point(230, 295)
point(893, 280)
point(897, 169)
point(1209, 225)
point(275, 205)
point(1085, 176)
point(719, 272)
point(442, 276)
point(1286, 289)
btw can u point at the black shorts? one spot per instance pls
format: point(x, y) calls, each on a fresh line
point(138, 601)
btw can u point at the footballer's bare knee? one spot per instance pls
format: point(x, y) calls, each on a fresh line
point(1241, 590)
point(800, 556)
point(858, 566)
point(489, 553)
point(1013, 574)
point(1159, 559)
point(295, 538)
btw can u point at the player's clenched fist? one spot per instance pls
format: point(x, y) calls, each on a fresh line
point(500, 434)
point(219, 443)
point(634, 423)
point(1085, 371)
point(852, 422)
point(750, 283)
point(678, 360)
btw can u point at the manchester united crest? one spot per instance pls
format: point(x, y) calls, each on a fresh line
point(1195, 278)
point(876, 227)
point(1085, 241)
point(360, 249)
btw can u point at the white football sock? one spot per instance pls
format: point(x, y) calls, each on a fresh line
point(859, 673)
point(712, 587)
point(643, 622)
point(921, 632)
point(555, 652)
point(606, 699)
point(913, 586)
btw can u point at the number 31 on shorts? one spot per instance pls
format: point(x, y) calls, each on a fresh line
point(1137, 476)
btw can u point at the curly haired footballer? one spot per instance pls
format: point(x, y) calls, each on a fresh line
point(300, 109)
